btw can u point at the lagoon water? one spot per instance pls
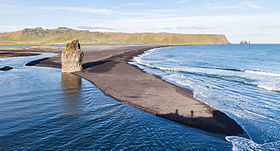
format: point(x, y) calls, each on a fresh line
point(241, 80)
point(42, 109)
point(28, 46)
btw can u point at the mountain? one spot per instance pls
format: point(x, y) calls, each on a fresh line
point(62, 35)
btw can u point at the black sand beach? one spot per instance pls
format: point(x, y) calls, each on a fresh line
point(107, 68)
point(5, 54)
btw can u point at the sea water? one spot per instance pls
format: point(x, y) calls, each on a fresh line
point(42, 109)
point(29, 46)
point(242, 81)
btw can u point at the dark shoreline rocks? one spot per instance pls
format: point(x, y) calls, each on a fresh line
point(6, 68)
point(15, 53)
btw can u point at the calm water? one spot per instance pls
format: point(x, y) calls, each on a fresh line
point(41, 109)
point(28, 46)
point(241, 80)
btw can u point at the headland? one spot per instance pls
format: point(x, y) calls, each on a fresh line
point(40, 36)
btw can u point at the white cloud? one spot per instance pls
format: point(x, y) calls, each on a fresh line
point(254, 28)
point(94, 28)
point(78, 9)
point(251, 4)
point(8, 8)
point(236, 27)
point(151, 13)
point(13, 8)
point(195, 28)
point(133, 4)
point(226, 5)
point(231, 25)
point(276, 26)
point(10, 28)
point(182, 1)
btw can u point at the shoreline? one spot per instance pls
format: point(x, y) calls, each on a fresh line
point(107, 69)
point(15, 52)
point(7, 54)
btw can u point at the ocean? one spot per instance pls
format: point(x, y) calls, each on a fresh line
point(42, 109)
point(242, 81)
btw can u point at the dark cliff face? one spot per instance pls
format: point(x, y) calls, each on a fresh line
point(64, 34)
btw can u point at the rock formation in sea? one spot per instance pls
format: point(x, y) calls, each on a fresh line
point(72, 57)
point(244, 42)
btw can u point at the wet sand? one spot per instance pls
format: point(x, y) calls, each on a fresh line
point(107, 68)
point(6, 54)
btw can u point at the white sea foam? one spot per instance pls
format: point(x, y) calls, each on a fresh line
point(240, 144)
point(273, 86)
point(263, 73)
point(260, 115)
point(224, 88)
point(270, 88)
point(265, 80)
point(191, 70)
point(203, 70)
point(142, 62)
point(149, 52)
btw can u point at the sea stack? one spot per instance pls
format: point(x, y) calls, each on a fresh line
point(244, 42)
point(72, 57)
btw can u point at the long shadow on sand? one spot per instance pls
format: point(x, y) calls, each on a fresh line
point(92, 64)
point(100, 66)
point(227, 125)
point(44, 62)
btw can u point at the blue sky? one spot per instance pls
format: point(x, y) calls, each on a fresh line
point(255, 20)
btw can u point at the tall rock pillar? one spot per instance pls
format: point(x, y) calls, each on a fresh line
point(72, 57)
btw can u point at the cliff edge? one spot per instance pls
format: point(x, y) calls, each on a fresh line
point(62, 35)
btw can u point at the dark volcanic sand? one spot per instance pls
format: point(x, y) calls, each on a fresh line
point(5, 54)
point(21, 53)
point(107, 68)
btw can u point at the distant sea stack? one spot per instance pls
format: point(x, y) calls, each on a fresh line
point(63, 34)
point(245, 42)
point(72, 57)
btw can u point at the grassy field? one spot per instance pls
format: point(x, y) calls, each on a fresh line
point(61, 36)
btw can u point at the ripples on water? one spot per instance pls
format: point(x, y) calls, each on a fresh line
point(41, 109)
point(241, 80)
point(28, 46)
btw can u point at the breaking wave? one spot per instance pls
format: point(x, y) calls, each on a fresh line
point(245, 86)
point(247, 75)
point(240, 143)
point(273, 88)
point(263, 73)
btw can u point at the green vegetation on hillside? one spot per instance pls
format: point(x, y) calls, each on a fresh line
point(63, 35)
